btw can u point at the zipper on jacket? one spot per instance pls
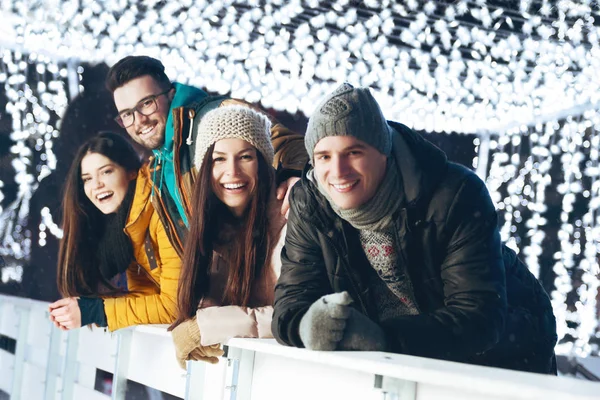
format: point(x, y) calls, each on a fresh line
point(191, 114)
point(148, 275)
point(140, 267)
point(168, 225)
point(403, 255)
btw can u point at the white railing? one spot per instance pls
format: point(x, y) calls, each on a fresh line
point(51, 364)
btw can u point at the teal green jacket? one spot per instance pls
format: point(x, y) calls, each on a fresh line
point(184, 95)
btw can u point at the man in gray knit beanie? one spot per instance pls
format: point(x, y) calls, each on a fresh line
point(349, 111)
point(349, 143)
point(391, 247)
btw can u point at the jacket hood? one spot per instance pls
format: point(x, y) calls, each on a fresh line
point(184, 95)
point(420, 162)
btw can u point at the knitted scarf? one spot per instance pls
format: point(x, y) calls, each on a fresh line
point(115, 252)
point(377, 213)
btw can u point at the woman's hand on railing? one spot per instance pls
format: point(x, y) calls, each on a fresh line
point(209, 354)
point(65, 313)
point(186, 338)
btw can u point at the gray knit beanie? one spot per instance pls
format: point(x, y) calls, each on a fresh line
point(349, 111)
point(234, 122)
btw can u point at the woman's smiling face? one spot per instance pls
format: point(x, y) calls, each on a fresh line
point(105, 182)
point(234, 173)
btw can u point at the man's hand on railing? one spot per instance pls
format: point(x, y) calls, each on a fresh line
point(362, 334)
point(186, 338)
point(65, 313)
point(323, 325)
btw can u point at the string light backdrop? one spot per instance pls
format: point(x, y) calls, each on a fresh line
point(520, 75)
point(452, 66)
point(545, 183)
point(36, 98)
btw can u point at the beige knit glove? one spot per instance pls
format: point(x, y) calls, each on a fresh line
point(209, 354)
point(186, 338)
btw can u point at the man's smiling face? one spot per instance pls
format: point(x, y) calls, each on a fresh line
point(349, 170)
point(147, 130)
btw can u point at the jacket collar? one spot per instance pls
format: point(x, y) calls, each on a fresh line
point(184, 95)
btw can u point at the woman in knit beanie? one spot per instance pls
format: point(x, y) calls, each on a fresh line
point(116, 266)
point(231, 256)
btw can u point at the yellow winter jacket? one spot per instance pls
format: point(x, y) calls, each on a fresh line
point(153, 276)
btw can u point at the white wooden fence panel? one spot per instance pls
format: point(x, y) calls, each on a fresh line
point(256, 369)
point(39, 327)
point(86, 376)
point(153, 361)
point(426, 392)
point(214, 380)
point(7, 362)
point(37, 355)
point(84, 393)
point(277, 377)
point(62, 349)
point(469, 379)
point(9, 320)
point(97, 348)
point(59, 388)
point(33, 382)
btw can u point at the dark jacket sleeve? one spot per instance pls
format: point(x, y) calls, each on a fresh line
point(303, 278)
point(472, 271)
point(92, 311)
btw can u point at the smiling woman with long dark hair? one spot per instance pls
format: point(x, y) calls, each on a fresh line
point(231, 256)
point(116, 266)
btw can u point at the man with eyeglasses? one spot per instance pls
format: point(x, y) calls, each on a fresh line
point(162, 116)
point(145, 108)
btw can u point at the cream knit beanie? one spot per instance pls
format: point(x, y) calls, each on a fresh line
point(234, 122)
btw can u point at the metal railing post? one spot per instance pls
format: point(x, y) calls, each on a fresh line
point(20, 351)
point(240, 368)
point(195, 378)
point(69, 371)
point(119, 385)
point(52, 365)
point(395, 389)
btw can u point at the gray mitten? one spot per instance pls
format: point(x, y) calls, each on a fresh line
point(322, 327)
point(362, 334)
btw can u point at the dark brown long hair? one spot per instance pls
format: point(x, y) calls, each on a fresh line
point(78, 273)
point(248, 252)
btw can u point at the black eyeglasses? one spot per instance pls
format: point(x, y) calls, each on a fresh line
point(146, 106)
